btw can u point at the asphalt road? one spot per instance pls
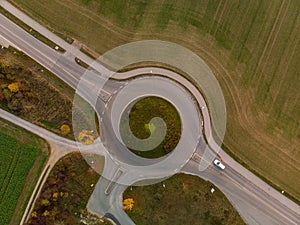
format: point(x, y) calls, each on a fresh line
point(256, 201)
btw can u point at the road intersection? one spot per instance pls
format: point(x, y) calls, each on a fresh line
point(256, 201)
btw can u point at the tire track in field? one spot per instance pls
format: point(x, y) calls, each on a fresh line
point(5, 176)
point(106, 24)
point(243, 38)
point(268, 40)
point(285, 72)
point(10, 174)
point(250, 120)
point(215, 16)
point(274, 40)
point(220, 17)
point(268, 140)
point(294, 45)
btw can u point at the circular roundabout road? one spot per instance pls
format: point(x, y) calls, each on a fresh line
point(139, 168)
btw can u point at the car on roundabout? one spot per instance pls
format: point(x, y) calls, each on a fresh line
point(219, 164)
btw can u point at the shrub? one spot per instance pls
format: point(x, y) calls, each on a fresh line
point(65, 129)
point(14, 87)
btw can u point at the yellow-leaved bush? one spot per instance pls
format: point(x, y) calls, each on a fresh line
point(128, 204)
point(14, 87)
point(65, 129)
point(86, 137)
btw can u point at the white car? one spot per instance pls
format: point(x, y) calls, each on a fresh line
point(219, 164)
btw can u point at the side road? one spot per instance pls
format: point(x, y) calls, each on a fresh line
point(59, 147)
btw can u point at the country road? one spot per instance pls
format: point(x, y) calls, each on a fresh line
point(255, 200)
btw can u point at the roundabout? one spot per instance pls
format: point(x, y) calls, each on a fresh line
point(158, 167)
point(124, 168)
point(113, 95)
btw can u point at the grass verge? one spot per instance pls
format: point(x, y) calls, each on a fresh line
point(185, 199)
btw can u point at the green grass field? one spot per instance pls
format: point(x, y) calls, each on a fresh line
point(185, 200)
point(22, 156)
point(251, 46)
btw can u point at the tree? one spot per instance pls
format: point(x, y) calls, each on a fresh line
point(55, 196)
point(128, 204)
point(46, 213)
point(45, 202)
point(65, 129)
point(86, 137)
point(34, 214)
point(14, 87)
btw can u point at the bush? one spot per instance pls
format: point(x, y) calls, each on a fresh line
point(65, 129)
point(14, 87)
